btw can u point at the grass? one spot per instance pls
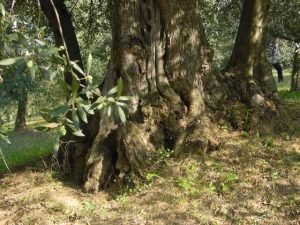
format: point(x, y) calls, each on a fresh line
point(253, 179)
point(27, 146)
point(284, 88)
point(31, 123)
point(286, 95)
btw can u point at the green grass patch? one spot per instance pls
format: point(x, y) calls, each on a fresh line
point(284, 87)
point(31, 123)
point(287, 95)
point(27, 146)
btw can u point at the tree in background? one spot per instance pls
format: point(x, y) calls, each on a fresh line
point(295, 82)
point(248, 71)
point(284, 24)
point(92, 24)
point(29, 60)
point(221, 25)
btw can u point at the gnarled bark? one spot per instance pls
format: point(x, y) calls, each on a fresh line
point(160, 51)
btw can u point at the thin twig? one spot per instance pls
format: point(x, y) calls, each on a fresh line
point(12, 6)
point(61, 31)
point(3, 159)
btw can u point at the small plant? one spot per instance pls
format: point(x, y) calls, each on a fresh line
point(240, 118)
point(123, 200)
point(51, 207)
point(274, 177)
point(151, 176)
point(188, 183)
point(285, 136)
point(25, 199)
point(89, 206)
point(211, 187)
point(269, 142)
point(164, 156)
point(132, 184)
point(225, 184)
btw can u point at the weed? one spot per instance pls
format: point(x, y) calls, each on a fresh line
point(274, 177)
point(132, 184)
point(225, 183)
point(240, 118)
point(181, 199)
point(269, 142)
point(123, 200)
point(285, 136)
point(189, 182)
point(89, 206)
point(164, 156)
point(151, 176)
point(186, 184)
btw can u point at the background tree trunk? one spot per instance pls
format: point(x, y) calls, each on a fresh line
point(69, 35)
point(20, 122)
point(73, 149)
point(160, 51)
point(262, 70)
point(295, 80)
point(248, 74)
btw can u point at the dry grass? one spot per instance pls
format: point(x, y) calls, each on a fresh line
point(253, 179)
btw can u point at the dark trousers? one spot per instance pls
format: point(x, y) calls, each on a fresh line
point(278, 68)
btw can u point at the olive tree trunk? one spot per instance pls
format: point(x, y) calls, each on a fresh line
point(160, 51)
point(248, 73)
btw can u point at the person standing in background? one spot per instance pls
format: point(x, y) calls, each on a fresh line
point(274, 56)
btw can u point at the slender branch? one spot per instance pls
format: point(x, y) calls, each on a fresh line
point(12, 6)
point(61, 31)
point(3, 159)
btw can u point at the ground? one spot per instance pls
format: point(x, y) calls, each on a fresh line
point(28, 144)
point(253, 179)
